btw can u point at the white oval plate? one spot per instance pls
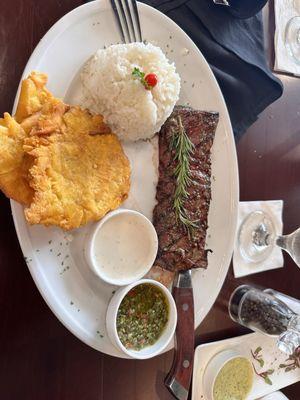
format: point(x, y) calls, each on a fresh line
point(55, 258)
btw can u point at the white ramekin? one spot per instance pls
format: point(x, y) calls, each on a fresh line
point(89, 248)
point(214, 367)
point(163, 340)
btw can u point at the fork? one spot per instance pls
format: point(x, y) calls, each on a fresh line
point(128, 21)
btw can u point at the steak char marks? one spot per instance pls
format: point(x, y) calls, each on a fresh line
point(178, 250)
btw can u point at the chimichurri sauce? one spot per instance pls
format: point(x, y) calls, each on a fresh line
point(142, 316)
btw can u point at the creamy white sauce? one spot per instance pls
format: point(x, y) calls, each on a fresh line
point(122, 246)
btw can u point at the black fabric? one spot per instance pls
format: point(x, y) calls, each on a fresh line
point(234, 48)
point(245, 8)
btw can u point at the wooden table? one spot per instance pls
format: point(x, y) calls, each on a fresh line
point(39, 358)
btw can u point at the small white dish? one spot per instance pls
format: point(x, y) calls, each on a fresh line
point(163, 340)
point(122, 247)
point(244, 345)
point(214, 367)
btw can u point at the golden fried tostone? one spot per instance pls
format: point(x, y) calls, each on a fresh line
point(78, 174)
point(33, 95)
point(14, 163)
point(63, 163)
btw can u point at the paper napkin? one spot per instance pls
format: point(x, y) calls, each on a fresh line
point(275, 260)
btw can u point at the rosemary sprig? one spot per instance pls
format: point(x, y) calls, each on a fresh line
point(183, 148)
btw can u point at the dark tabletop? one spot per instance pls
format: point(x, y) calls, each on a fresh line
point(39, 358)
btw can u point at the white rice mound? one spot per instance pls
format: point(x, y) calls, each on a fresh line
point(109, 89)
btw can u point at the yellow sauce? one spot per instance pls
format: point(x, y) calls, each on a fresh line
point(234, 381)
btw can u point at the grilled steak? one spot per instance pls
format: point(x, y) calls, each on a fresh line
point(178, 249)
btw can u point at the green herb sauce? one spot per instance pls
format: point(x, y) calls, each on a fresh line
point(142, 316)
point(234, 381)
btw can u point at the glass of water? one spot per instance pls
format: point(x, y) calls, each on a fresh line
point(257, 237)
point(292, 38)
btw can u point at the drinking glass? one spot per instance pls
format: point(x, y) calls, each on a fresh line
point(292, 38)
point(257, 237)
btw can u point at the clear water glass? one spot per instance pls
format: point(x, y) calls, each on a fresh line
point(292, 38)
point(257, 237)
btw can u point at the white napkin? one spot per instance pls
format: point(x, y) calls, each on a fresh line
point(284, 11)
point(275, 260)
point(274, 396)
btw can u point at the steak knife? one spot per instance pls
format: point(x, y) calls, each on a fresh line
point(179, 378)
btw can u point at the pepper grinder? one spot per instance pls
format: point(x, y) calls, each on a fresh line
point(264, 311)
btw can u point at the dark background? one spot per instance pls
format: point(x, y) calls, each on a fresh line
point(39, 358)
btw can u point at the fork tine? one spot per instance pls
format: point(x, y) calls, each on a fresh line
point(124, 19)
point(117, 18)
point(137, 19)
point(130, 21)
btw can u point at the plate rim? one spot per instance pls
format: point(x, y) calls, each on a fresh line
point(24, 241)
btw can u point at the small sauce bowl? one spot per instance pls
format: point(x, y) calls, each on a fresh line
point(166, 335)
point(122, 247)
point(214, 368)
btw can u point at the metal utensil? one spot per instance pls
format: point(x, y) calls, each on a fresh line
point(128, 21)
point(222, 2)
point(179, 378)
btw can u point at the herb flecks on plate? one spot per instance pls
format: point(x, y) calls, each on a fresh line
point(142, 317)
point(183, 148)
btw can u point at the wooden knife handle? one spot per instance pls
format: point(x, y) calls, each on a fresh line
point(179, 378)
